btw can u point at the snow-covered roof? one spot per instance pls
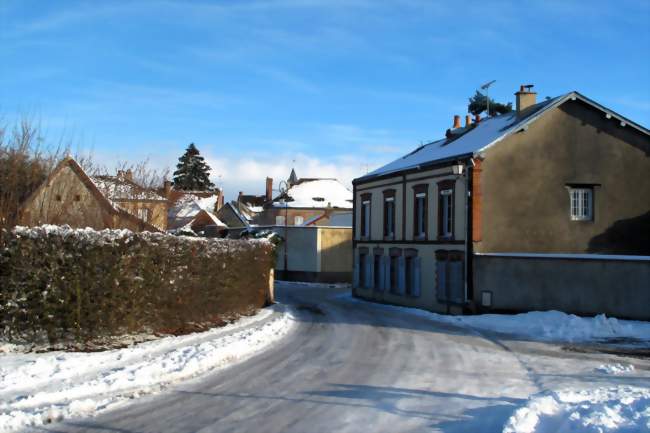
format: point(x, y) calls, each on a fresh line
point(117, 188)
point(188, 205)
point(316, 193)
point(484, 134)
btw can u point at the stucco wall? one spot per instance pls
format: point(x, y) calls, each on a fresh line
point(158, 211)
point(427, 298)
point(526, 201)
point(77, 206)
point(588, 286)
point(316, 253)
point(403, 186)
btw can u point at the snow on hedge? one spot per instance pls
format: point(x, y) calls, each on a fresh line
point(612, 409)
point(541, 325)
point(36, 389)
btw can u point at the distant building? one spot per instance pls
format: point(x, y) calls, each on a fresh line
point(306, 202)
point(70, 196)
point(185, 206)
point(547, 207)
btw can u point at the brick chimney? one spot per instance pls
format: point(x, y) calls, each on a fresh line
point(269, 189)
point(167, 188)
point(477, 118)
point(525, 97)
point(468, 120)
point(456, 121)
point(128, 175)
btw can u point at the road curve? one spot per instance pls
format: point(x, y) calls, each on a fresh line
point(351, 366)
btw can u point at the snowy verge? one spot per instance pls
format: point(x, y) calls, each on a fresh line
point(37, 389)
point(539, 325)
point(620, 409)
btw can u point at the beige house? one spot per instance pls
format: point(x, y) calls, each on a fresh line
point(70, 196)
point(547, 207)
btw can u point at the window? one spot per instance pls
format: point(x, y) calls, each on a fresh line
point(279, 220)
point(362, 271)
point(411, 272)
point(389, 214)
point(582, 204)
point(393, 273)
point(378, 272)
point(446, 209)
point(365, 216)
point(450, 281)
point(420, 212)
point(298, 220)
point(143, 214)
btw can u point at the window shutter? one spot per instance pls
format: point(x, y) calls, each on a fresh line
point(370, 275)
point(401, 275)
point(416, 276)
point(386, 272)
point(456, 288)
point(441, 286)
point(355, 277)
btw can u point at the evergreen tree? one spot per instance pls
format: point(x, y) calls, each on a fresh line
point(192, 173)
point(478, 104)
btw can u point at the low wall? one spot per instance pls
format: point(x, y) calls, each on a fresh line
point(581, 284)
point(63, 282)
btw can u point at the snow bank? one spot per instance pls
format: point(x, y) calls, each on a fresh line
point(542, 325)
point(620, 409)
point(36, 389)
point(615, 369)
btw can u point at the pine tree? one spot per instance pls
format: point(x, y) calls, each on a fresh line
point(478, 104)
point(192, 173)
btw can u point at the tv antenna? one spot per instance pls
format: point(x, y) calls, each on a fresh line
point(486, 87)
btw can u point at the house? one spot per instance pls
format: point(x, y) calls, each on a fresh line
point(304, 201)
point(206, 223)
point(185, 206)
point(70, 196)
point(547, 207)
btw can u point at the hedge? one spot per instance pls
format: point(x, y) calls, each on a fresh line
point(82, 285)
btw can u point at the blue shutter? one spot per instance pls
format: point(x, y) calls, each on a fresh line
point(355, 276)
point(369, 272)
point(385, 273)
point(401, 275)
point(415, 278)
point(456, 288)
point(441, 286)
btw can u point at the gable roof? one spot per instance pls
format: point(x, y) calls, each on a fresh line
point(480, 136)
point(87, 181)
point(118, 188)
point(188, 205)
point(316, 194)
point(221, 213)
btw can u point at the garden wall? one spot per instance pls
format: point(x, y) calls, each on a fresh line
point(85, 285)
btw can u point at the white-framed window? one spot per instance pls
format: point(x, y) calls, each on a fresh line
point(581, 201)
point(446, 213)
point(389, 217)
point(298, 220)
point(279, 220)
point(420, 214)
point(365, 219)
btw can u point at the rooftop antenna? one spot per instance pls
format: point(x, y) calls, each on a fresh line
point(486, 87)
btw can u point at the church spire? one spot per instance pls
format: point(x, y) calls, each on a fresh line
point(293, 179)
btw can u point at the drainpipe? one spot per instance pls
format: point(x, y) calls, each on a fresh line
point(468, 233)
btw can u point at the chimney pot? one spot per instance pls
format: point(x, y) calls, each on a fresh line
point(477, 118)
point(456, 121)
point(468, 120)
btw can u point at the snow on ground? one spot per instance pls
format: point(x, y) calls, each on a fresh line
point(615, 369)
point(36, 389)
point(542, 325)
point(621, 409)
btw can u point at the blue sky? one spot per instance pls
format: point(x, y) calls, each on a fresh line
point(339, 86)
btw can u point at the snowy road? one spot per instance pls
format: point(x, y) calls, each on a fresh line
point(356, 367)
